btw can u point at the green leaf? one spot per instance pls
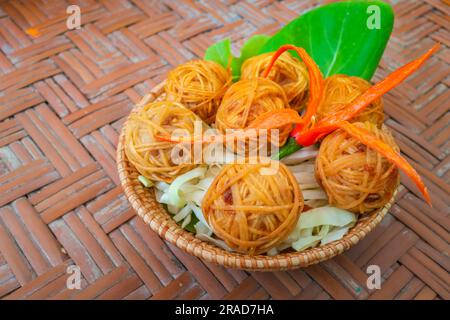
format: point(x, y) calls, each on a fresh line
point(250, 48)
point(253, 46)
point(338, 38)
point(219, 52)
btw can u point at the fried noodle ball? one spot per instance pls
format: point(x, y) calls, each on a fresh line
point(150, 155)
point(354, 176)
point(199, 85)
point(247, 99)
point(250, 211)
point(340, 90)
point(289, 72)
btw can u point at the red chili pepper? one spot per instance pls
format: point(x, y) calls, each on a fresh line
point(328, 123)
point(311, 136)
point(315, 80)
point(388, 152)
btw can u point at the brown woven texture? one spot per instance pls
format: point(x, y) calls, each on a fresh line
point(64, 97)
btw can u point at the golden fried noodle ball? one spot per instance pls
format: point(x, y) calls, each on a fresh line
point(252, 212)
point(247, 99)
point(355, 177)
point(340, 90)
point(289, 72)
point(199, 85)
point(152, 156)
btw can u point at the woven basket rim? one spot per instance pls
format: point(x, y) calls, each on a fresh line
point(144, 203)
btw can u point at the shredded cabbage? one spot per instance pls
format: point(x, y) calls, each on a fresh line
point(301, 155)
point(145, 182)
point(199, 214)
point(173, 195)
point(186, 221)
point(161, 186)
point(201, 228)
point(182, 214)
point(318, 226)
point(313, 194)
point(185, 194)
point(325, 216)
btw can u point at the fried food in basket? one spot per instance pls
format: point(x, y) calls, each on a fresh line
point(289, 72)
point(340, 90)
point(199, 85)
point(354, 176)
point(253, 212)
point(247, 99)
point(152, 156)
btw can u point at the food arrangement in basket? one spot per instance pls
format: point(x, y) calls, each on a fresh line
point(270, 158)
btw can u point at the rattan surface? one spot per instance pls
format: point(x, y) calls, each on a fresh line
point(65, 95)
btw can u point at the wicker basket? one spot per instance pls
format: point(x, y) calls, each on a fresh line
point(144, 202)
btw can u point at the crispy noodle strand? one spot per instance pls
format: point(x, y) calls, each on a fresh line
point(199, 85)
point(252, 212)
point(340, 90)
point(289, 72)
point(354, 176)
point(152, 156)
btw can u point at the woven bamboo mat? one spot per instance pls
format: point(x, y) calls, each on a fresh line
point(63, 99)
